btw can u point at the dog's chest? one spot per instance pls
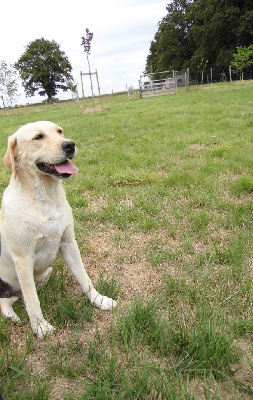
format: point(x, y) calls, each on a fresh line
point(50, 228)
point(48, 234)
point(33, 226)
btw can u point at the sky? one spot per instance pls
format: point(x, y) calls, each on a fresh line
point(122, 32)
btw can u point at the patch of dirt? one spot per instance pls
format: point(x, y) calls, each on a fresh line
point(196, 147)
point(61, 387)
point(92, 110)
point(125, 259)
point(244, 370)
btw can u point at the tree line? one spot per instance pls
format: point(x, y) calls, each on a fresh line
point(199, 34)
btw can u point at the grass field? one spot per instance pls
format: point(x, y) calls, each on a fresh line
point(163, 208)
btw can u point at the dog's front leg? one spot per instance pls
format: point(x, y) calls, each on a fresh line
point(71, 256)
point(24, 269)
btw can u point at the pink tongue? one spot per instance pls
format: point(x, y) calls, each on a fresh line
point(66, 168)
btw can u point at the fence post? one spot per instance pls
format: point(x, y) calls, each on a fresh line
point(186, 79)
point(140, 87)
point(98, 89)
point(81, 75)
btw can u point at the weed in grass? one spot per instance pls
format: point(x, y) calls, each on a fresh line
point(153, 382)
point(158, 253)
point(207, 348)
point(13, 372)
point(5, 331)
point(130, 377)
point(242, 185)
point(234, 254)
point(176, 178)
point(120, 260)
point(200, 220)
point(41, 392)
point(104, 380)
point(123, 216)
point(72, 310)
point(135, 178)
point(209, 392)
point(200, 347)
point(67, 360)
point(243, 327)
point(141, 324)
point(133, 376)
point(220, 149)
point(178, 290)
point(108, 286)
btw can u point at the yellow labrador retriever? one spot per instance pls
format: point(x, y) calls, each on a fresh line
point(36, 221)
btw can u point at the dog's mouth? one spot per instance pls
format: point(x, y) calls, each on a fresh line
point(63, 170)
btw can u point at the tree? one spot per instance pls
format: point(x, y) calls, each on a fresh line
point(171, 47)
point(218, 26)
point(86, 43)
point(73, 88)
point(200, 32)
point(8, 83)
point(44, 68)
point(242, 59)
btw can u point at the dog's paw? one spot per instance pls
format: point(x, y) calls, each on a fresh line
point(7, 310)
point(102, 302)
point(41, 328)
point(12, 316)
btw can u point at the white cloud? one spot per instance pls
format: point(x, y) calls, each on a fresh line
point(122, 31)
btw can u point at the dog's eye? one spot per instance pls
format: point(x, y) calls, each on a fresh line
point(39, 137)
point(59, 131)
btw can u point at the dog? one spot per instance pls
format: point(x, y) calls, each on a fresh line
point(36, 222)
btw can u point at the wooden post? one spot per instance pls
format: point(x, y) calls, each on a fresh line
point(82, 88)
point(188, 78)
point(211, 75)
point(99, 89)
point(93, 97)
point(91, 84)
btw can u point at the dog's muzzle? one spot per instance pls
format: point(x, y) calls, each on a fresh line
point(69, 149)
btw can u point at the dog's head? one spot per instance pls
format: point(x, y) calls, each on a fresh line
point(41, 146)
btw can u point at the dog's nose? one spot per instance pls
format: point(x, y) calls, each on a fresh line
point(69, 148)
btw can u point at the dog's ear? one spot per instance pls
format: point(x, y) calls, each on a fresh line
point(11, 154)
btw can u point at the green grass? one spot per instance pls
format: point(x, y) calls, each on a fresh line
point(163, 210)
